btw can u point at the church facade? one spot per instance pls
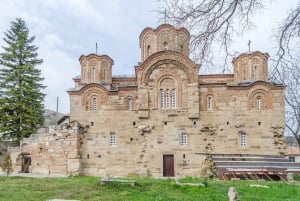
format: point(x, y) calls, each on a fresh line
point(167, 118)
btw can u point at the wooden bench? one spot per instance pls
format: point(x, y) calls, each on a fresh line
point(106, 181)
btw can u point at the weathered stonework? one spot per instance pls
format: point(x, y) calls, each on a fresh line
point(167, 118)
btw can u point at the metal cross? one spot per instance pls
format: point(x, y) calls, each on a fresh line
point(249, 44)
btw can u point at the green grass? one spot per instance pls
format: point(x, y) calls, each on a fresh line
point(89, 189)
point(297, 178)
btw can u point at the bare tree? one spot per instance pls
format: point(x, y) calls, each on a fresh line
point(287, 68)
point(214, 23)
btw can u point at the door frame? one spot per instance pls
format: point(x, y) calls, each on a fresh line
point(168, 169)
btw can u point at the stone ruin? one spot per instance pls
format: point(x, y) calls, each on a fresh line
point(53, 150)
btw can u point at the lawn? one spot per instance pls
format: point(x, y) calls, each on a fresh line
point(89, 188)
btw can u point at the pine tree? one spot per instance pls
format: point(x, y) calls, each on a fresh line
point(21, 99)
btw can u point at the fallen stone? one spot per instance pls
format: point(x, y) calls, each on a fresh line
point(61, 200)
point(259, 186)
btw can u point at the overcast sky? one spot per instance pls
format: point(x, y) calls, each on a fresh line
point(67, 29)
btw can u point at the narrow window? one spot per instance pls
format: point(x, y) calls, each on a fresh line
point(258, 103)
point(173, 98)
point(113, 140)
point(104, 74)
point(161, 98)
point(84, 76)
point(167, 98)
point(183, 139)
point(93, 74)
point(255, 73)
point(244, 71)
point(165, 46)
point(86, 105)
point(243, 139)
point(129, 103)
point(181, 48)
point(94, 104)
point(148, 50)
point(209, 102)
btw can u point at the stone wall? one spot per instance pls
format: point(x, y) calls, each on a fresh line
point(52, 151)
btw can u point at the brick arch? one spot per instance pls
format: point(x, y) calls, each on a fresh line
point(265, 96)
point(90, 93)
point(165, 58)
point(168, 36)
point(177, 87)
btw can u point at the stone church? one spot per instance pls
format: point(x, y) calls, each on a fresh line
point(165, 120)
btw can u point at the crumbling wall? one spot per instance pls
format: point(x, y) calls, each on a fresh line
point(143, 131)
point(208, 169)
point(52, 151)
point(279, 139)
point(210, 133)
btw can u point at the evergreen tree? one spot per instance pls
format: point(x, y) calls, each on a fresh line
point(21, 99)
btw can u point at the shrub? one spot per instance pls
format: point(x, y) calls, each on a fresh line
point(6, 164)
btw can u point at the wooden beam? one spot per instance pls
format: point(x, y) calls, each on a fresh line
point(268, 176)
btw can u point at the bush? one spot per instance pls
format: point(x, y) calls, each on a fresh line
point(296, 177)
point(6, 164)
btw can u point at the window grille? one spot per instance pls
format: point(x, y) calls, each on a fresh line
point(161, 99)
point(243, 137)
point(95, 104)
point(183, 139)
point(113, 140)
point(173, 98)
point(209, 102)
point(167, 98)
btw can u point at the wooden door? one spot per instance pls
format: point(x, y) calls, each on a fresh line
point(168, 165)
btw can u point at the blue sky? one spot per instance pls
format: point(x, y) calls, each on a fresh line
point(67, 29)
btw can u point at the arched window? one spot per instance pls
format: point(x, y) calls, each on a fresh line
point(181, 48)
point(209, 102)
point(93, 74)
point(86, 105)
point(165, 46)
point(148, 50)
point(161, 98)
point(167, 94)
point(129, 103)
point(85, 75)
point(103, 71)
point(104, 74)
point(244, 71)
point(173, 98)
point(94, 102)
point(258, 103)
point(255, 73)
point(167, 98)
